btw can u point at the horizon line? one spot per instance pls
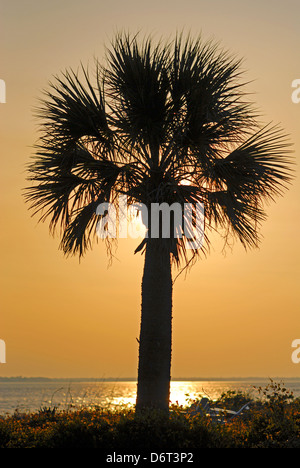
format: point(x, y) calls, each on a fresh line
point(134, 379)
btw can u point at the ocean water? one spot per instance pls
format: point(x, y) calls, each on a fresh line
point(29, 395)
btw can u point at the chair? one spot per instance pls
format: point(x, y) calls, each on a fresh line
point(220, 415)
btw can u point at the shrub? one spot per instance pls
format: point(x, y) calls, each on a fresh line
point(272, 421)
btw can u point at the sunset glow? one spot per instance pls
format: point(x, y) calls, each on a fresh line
point(235, 313)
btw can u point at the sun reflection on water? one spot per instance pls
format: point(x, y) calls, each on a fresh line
point(181, 393)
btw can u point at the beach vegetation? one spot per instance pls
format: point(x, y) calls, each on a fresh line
point(271, 420)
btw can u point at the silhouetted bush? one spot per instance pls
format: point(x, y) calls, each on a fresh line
point(272, 421)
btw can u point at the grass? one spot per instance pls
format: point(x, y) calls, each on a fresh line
point(272, 421)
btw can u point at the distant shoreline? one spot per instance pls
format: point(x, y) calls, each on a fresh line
point(134, 379)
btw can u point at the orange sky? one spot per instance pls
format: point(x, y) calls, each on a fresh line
point(234, 315)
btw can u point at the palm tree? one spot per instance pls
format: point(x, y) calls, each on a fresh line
point(160, 123)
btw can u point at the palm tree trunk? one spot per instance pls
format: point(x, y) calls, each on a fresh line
point(153, 389)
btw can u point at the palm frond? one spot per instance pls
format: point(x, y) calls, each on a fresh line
point(71, 111)
point(65, 180)
point(137, 83)
point(207, 111)
point(260, 167)
point(81, 230)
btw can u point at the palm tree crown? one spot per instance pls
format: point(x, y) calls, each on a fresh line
point(162, 123)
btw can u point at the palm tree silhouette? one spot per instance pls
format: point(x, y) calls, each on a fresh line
point(161, 123)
